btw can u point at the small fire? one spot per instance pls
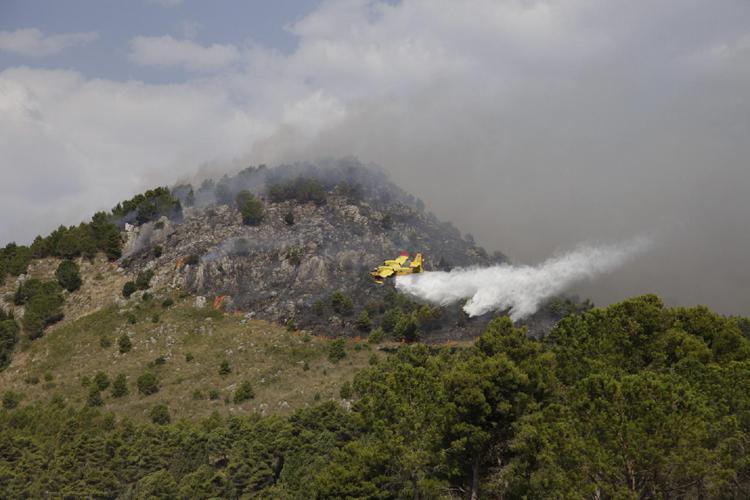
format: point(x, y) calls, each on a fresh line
point(218, 301)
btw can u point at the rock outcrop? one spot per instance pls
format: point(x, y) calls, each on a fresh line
point(282, 271)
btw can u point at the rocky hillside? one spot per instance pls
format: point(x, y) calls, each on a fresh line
point(287, 266)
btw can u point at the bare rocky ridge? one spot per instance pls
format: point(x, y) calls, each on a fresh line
point(279, 272)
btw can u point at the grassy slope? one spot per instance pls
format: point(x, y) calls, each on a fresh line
point(267, 355)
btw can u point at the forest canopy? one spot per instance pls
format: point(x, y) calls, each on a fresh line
point(634, 400)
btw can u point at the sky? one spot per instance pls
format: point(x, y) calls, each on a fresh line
point(535, 125)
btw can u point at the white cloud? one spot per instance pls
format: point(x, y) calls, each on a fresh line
point(168, 51)
point(32, 42)
point(73, 145)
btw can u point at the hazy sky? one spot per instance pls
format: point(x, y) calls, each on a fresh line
point(534, 125)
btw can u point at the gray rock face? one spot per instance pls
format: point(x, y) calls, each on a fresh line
point(279, 271)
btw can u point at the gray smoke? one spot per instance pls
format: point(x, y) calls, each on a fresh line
point(518, 288)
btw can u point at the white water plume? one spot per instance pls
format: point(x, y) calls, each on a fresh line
point(518, 288)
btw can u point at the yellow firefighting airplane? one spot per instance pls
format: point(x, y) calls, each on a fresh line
point(396, 267)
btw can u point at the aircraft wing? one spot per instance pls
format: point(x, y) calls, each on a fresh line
point(385, 272)
point(401, 259)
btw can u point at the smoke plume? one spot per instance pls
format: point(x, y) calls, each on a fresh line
point(521, 289)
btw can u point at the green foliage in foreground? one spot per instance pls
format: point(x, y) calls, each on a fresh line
point(632, 401)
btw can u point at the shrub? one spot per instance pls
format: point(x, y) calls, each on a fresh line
point(68, 275)
point(319, 308)
point(146, 297)
point(213, 394)
point(363, 322)
point(160, 415)
point(105, 342)
point(244, 392)
point(291, 326)
point(197, 395)
point(387, 222)
point(8, 339)
point(48, 377)
point(189, 357)
point(31, 380)
point(33, 324)
point(336, 350)
point(155, 318)
point(289, 218)
point(224, 368)
point(305, 366)
point(143, 279)
point(341, 303)
point(192, 260)
point(374, 307)
point(124, 343)
point(407, 328)
point(390, 318)
point(128, 289)
point(346, 391)
point(167, 303)
point(294, 256)
point(158, 250)
point(94, 397)
point(120, 386)
point(376, 336)
point(26, 290)
point(148, 384)
point(101, 381)
point(11, 400)
point(43, 301)
point(250, 207)
point(301, 189)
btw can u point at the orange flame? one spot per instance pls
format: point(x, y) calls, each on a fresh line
point(218, 300)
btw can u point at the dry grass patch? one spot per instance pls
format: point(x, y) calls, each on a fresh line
point(184, 347)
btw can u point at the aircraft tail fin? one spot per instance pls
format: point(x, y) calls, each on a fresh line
point(416, 264)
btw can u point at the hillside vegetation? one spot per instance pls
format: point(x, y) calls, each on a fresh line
point(164, 350)
point(183, 348)
point(633, 401)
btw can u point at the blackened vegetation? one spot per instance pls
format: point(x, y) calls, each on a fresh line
point(301, 190)
point(297, 242)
